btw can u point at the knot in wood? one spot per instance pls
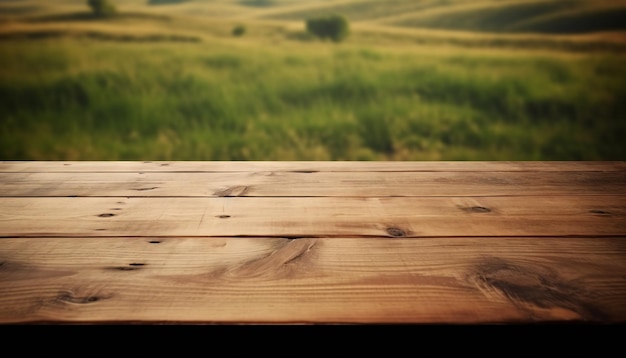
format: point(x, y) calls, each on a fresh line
point(396, 232)
point(480, 209)
point(477, 209)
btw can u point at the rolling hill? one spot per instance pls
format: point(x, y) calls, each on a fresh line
point(499, 16)
point(580, 25)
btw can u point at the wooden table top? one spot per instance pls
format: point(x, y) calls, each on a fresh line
point(312, 242)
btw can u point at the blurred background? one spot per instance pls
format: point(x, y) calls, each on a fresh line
point(312, 80)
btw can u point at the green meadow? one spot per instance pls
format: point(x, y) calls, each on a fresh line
point(414, 80)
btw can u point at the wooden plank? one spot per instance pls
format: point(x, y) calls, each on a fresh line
point(312, 242)
point(315, 217)
point(328, 184)
point(366, 280)
point(306, 166)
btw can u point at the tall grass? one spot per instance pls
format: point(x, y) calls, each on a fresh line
point(74, 99)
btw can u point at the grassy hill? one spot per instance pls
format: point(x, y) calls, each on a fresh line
point(474, 15)
point(415, 80)
point(543, 16)
point(430, 20)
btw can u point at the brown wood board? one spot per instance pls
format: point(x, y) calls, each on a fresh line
point(297, 184)
point(312, 242)
point(274, 280)
point(306, 166)
point(314, 217)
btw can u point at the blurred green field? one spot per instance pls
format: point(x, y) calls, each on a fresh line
point(515, 80)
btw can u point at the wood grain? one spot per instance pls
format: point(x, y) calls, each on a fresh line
point(312, 242)
point(306, 166)
point(295, 184)
point(314, 217)
point(246, 280)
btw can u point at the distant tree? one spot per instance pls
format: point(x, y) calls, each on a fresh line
point(257, 3)
point(102, 8)
point(239, 30)
point(159, 2)
point(334, 27)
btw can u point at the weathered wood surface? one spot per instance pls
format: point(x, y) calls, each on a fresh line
point(290, 184)
point(303, 166)
point(312, 242)
point(314, 217)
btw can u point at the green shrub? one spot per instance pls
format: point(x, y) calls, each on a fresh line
point(239, 30)
point(159, 2)
point(334, 27)
point(257, 3)
point(102, 8)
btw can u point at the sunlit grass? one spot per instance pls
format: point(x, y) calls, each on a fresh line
point(178, 101)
